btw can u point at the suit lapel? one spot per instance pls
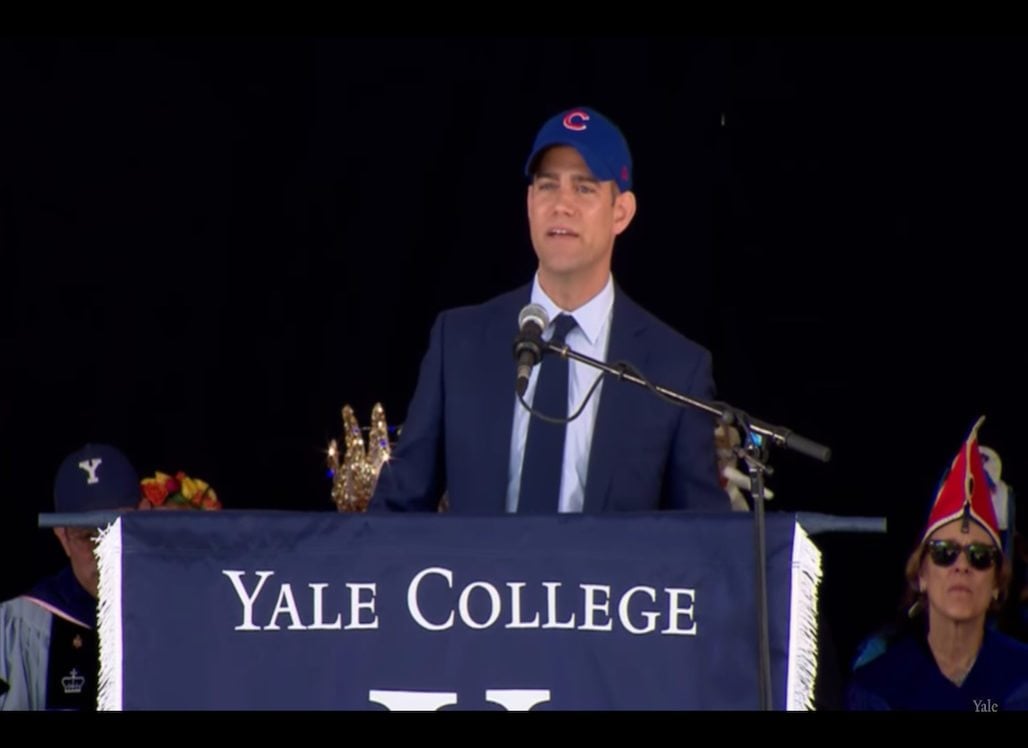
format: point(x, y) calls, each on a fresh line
point(627, 325)
point(496, 419)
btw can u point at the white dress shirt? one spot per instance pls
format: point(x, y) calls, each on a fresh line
point(590, 337)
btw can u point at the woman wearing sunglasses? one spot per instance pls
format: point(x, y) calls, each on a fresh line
point(951, 657)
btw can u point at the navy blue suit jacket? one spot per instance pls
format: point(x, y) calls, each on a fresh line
point(646, 454)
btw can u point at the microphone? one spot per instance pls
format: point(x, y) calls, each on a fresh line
point(528, 345)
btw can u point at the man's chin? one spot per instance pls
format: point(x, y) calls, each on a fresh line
point(562, 263)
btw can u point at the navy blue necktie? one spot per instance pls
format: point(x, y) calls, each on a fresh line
point(544, 445)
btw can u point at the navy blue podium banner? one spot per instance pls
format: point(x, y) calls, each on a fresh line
point(327, 611)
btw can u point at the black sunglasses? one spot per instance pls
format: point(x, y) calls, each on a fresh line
point(981, 556)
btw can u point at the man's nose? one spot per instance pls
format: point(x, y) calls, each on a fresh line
point(565, 201)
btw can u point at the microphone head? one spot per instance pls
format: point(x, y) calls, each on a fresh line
point(533, 313)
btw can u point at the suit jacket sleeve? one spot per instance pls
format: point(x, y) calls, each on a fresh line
point(413, 478)
point(693, 480)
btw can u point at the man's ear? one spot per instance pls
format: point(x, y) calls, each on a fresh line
point(62, 535)
point(624, 211)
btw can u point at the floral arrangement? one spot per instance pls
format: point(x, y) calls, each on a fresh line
point(179, 492)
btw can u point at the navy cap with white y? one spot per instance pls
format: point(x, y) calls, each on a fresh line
point(96, 477)
point(598, 140)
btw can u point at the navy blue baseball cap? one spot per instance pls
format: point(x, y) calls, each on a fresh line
point(596, 138)
point(97, 477)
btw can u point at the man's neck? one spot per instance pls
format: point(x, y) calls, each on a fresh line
point(571, 293)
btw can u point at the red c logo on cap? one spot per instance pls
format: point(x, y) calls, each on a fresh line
point(576, 120)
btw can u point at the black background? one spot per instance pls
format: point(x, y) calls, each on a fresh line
point(208, 246)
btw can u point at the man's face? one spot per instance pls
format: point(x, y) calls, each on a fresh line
point(573, 218)
point(78, 544)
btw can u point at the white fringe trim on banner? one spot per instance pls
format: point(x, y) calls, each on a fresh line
point(803, 620)
point(108, 555)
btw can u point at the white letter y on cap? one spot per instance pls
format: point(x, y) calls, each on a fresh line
point(90, 467)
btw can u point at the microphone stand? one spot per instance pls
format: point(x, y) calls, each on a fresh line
point(756, 435)
point(755, 455)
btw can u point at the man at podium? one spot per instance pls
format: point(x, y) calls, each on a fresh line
point(467, 431)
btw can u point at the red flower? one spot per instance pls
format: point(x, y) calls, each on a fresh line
point(155, 490)
point(210, 501)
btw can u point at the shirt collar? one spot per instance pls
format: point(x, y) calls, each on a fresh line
point(591, 317)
